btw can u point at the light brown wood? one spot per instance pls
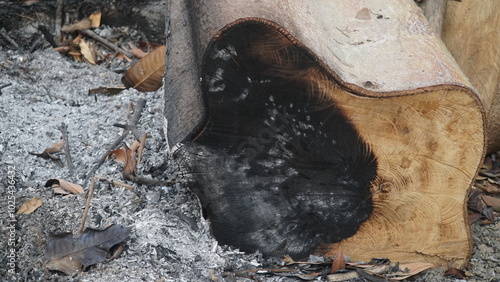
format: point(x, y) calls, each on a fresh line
point(471, 33)
point(394, 80)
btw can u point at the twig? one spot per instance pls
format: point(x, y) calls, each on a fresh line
point(105, 42)
point(141, 148)
point(3, 33)
point(87, 206)
point(4, 86)
point(69, 162)
point(117, 183)
point(146, 181)
point(48, 36)
point(130, 126)
point(58, 21)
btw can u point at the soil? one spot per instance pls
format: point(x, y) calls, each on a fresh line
point(170, 239)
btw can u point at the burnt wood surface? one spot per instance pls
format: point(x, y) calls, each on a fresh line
point(313, 125)
point(272, 136)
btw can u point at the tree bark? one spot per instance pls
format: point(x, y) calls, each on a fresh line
point(400, 107)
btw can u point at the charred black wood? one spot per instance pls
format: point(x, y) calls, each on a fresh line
point(278, 168)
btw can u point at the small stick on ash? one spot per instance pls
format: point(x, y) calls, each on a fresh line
point(3, 33)
point(116, 183)
point(58, 22)
point(4, 86)
point(130, 126)
point(69, 162)
point(105, 42)
point(87, 206)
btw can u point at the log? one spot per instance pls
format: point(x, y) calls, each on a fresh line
point(471, 33)
point(303, 126)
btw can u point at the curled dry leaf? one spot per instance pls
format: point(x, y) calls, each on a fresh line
point(455, 273)
point(30, 206)
point(136, 51)
point(339, 261)
point(86, 52)
point(126, 156)
point(61, 186)
point(49, 152)
point(147, 74)
point(493, 202)
point(95, 19)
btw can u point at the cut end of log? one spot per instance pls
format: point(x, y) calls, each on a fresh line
point(298, 153)
point(291, 170)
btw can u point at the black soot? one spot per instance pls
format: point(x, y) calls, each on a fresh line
point(277, 167)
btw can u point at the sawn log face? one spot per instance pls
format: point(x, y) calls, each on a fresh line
point(404, 130)
point(281, 168)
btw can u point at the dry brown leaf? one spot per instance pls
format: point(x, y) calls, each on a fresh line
point(455, 273)
point(86, 52)
point(126, 156)
point(136, 51)
point(49, 152)
point(489, 189)
point(338, 262)
point(55, 148)
point(62, 49)
point(95, 19)
point(30, 206)
point(77, 56)
point(147, 74)
point(85, 23)
point(492, 202)
point(134, 146)
point(66, 186)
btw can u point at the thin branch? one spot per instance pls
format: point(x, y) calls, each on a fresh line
point(105, 42)
point(69, 162)
point(131, 125)
point(87, 206)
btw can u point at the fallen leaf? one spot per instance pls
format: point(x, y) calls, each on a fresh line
point(85, 23)
point(86, 52)
point(147, 74)
point(30, 206)
point(339, 261)
point(61, 186)
point(473, 217)
point(95, 19)
point(136, 51)
point(455, 273)
point(126, 156)
point(73, 255)
point(489, 189)
point(493, 202)
point(49, 152)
